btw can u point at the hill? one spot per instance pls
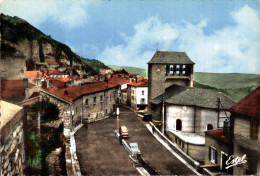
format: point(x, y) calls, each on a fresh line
point(132, 70)
point(235, 85)
point(22, 43)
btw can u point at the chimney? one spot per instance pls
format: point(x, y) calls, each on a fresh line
point(38, 74)
point(25, 83)
point(226, 128)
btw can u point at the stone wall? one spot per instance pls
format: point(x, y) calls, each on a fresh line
point(12, 146)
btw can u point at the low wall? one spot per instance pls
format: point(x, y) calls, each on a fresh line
point(12, 146)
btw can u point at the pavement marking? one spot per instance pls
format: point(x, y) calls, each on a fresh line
point(173, 152)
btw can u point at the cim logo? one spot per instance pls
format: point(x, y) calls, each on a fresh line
point(233, 161)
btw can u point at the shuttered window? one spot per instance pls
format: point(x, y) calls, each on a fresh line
point(254, 129)
point(213, 155)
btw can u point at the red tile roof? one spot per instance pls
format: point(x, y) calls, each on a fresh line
point(141, 82)
point(69, 78)
point(72, 93)
point(52, 63)
point(37, 74)
point(35, 94)
point(217, 134)
point(249, 105)
point(57, 83)
point(119, 80)
point(13, 88)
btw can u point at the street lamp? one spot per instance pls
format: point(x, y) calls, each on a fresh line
point(117, 119)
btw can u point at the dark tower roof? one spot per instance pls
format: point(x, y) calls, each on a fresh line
point(166, 57)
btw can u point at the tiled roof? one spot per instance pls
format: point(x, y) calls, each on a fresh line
point(141, 82)
point(35, 94)
point(37, 74)
point(166, 57)
point(249, 105)
point(69, 78)
point(119, 80)
point(217, 134)
point(191, 96)
point(52, 63)
point(58, 84)
point(72, 93)
point(13, 88)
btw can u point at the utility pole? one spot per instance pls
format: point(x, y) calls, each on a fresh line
point(117, 119)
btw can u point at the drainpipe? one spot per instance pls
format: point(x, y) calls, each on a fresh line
point(163, 114)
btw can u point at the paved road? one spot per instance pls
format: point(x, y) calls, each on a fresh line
point(100, 153)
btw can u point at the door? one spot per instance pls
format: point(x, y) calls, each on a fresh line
point(224, 158)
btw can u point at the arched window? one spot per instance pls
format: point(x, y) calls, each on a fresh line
point(209, 127)
point(178, 124)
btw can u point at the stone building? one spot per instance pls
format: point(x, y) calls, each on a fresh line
point(88, 102)
point(12, 153)
point(186, 112)
point(167, 68)
point(245, 120)
point(137, 93)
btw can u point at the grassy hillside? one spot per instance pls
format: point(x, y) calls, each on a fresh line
point(15, 29)
point(132, 70)
point(236, 85)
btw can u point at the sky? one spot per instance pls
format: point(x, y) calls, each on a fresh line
point(220, 36)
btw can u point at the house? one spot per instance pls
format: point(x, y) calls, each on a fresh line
point(105, 70)
point(137, 93)
point(218, 148)
point(167, 68)
point(12, 155)
point(245, 120)
point(88, 102)
point(16, 91)
point(186, 112)
point(37, 77)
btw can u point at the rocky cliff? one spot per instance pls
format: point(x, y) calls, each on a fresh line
point(24, 47)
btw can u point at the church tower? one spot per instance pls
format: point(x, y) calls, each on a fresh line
point(168, 68)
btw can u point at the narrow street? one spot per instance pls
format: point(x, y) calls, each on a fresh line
point(100, 153)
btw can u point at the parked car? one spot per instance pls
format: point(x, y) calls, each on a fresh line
point(123, 131)
point(135, 149)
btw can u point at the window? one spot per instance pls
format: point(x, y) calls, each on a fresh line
point(209, 127)
point(101, 98)
point(94, 100)
point(254, 130)
point(178, 124)
point(182, 144)
point(176, 140)
point(86, 102)
point(142, 100)
point(213, 155)
point(142, 92)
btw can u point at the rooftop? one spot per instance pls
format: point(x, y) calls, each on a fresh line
point(140, 82)
point(191, 96)
point(58, 84)
point(249, 105)
point(166, 57)
point(8, 110)
point(72, 93)
point(217, 134)
point(52, 62)
point(13, 88)
point(38, 74)
point(191, 138)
